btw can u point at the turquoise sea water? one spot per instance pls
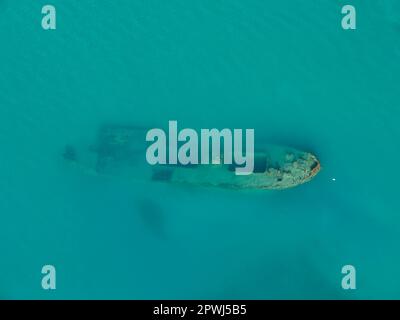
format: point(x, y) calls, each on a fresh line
point(285, 68)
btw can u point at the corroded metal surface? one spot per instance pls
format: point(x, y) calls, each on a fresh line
point(120, 150)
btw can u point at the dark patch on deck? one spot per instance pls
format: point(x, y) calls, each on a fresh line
point(162, 175)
